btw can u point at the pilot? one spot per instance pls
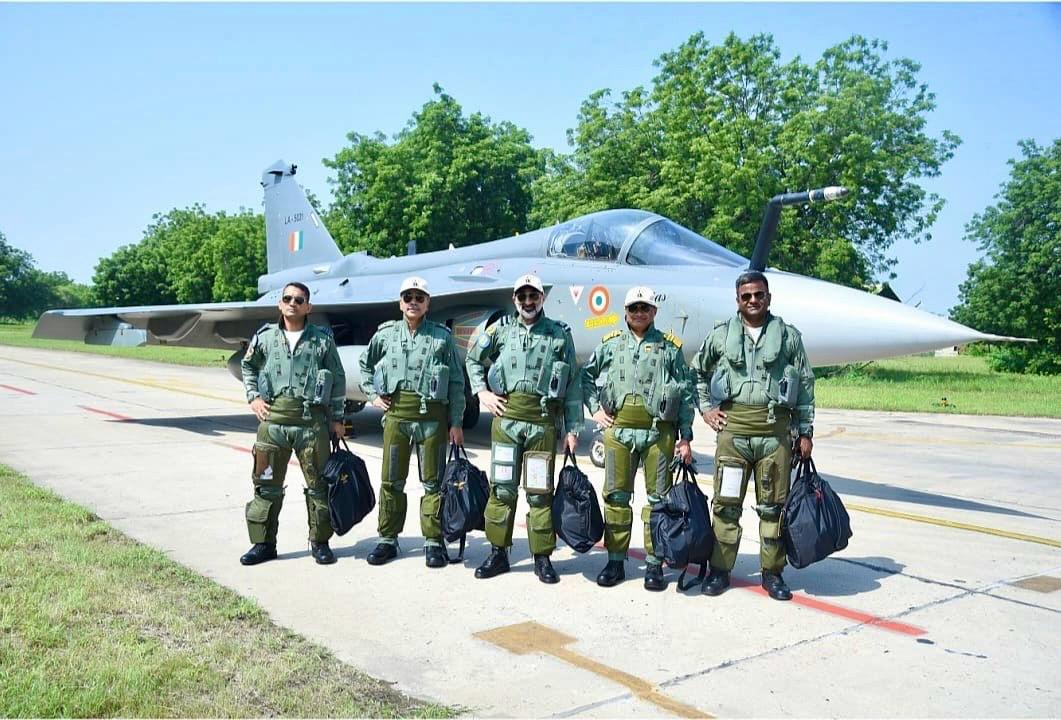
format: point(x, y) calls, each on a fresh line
point(534, 395)
point(296, 387)
point(645, 403)
point(410, 371)
point(756, 390)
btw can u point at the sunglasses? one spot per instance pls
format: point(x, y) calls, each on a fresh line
point(639, 308)
point(758, 295)
point(527, 296)
point(297, 299)
point(413, 297)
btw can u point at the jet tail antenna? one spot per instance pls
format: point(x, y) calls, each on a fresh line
point(772, 214)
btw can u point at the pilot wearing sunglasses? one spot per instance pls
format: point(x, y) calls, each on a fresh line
point(296, 387)
point(756, 390)
point(645, 403)
point(410, 371)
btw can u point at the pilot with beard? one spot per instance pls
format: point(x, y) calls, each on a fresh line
point(533, 391)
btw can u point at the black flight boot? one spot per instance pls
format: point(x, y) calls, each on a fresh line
point(775, 587)
point(382, 553)
point(259, 553)
point(435, 557)
point(716, 583)
point(494, 565)
point(543, 568)
point(654, 579)
point(612, 574)
point(322, 553)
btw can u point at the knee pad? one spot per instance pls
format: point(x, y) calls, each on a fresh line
point(540, 500)
point(771, 512)
point(319, 496)
point(618, 498)
point(506, 494)
point(731, 513)
point(269, 492)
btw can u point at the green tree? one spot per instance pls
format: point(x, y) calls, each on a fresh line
point(726, 127)
point(17, 287)
point(238, 256)
point(1016, 289)
point(446, 178)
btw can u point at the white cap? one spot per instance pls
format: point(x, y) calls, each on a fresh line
point(640, 294)
point(414, 283)
point(530, 280)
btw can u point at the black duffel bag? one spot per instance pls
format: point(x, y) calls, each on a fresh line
point(465, 490)
point(577, 517)
point(681, 526)
point(816, 523)
point(350, 493)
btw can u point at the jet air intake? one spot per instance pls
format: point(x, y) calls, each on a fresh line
point(772, 214)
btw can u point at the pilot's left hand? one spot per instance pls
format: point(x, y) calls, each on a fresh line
point(571, 442)
point(337, 428)
point(684, 451)
point(456, 436)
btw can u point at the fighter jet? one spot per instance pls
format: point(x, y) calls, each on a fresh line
point(587, 264)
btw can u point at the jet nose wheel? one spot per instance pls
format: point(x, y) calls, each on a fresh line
point(596, 451)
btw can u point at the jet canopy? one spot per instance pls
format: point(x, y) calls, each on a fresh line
point(636, 237)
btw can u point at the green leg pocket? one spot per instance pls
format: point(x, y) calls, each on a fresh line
point(618, 521)
point(258, 520)
point(393, 506)
point(430, 514)
point(540, 534)
point(499, 522)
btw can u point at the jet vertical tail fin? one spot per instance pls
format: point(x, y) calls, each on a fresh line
point(294, 233)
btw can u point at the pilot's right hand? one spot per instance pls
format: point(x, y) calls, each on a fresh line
point(260, 408)
point(602, 418)
point(715, 419)
point(495, 404)
point(383, 403)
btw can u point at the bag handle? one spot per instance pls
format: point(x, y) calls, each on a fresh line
point(568, 455)
point(335, 443)
point(687, 471)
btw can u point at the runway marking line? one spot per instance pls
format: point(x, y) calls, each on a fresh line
point(820, 605)
point(953, 524)
point(116, 416)
point(142, 383)
point(924, 440)
point(531, 637)
point(18, 390)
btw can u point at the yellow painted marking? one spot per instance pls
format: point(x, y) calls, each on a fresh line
point(926, 440)
point(532, 637)
point(130, 381)
point(1040, 583)
point(954, 524)
point(603, 321)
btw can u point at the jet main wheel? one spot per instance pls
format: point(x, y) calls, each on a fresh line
point(596, 451)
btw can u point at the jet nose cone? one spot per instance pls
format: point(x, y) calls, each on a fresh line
point(841, 325)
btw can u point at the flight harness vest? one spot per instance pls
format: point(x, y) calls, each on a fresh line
point(304, 380)
point(423, 368)
point(534, 370)
point(645, 371)
point(763, 364)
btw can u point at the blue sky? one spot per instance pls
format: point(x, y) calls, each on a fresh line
point(115, 112)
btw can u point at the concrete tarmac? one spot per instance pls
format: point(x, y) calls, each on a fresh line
point(946, 603)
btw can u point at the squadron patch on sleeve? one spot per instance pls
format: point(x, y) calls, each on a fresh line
point(484, 340)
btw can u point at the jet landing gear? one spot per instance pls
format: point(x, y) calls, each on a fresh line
point(596, 449)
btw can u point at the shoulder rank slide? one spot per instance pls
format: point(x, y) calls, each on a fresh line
point(672, 339)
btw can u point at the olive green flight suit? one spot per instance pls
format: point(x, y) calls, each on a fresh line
point(424, 379)
point(766, 389)
point(646, 385)
point(305, 388)
point(535, 368)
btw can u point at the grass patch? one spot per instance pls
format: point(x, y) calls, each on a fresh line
point(919, 383)
point(93, 624)
point(20, 335)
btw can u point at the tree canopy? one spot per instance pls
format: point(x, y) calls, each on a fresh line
point(446, 178)
point(1016, 288)
point(186, 256)
point(26, 291)
point(724, 128)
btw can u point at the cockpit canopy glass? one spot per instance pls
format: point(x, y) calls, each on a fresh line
point(595, 237)
point(668, 243)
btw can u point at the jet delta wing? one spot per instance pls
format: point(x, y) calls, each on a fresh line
point(587, 265)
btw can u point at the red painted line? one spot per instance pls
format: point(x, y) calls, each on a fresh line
point(116, 416)
point(20, 390)
point(815, 604)
point(292, 462)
